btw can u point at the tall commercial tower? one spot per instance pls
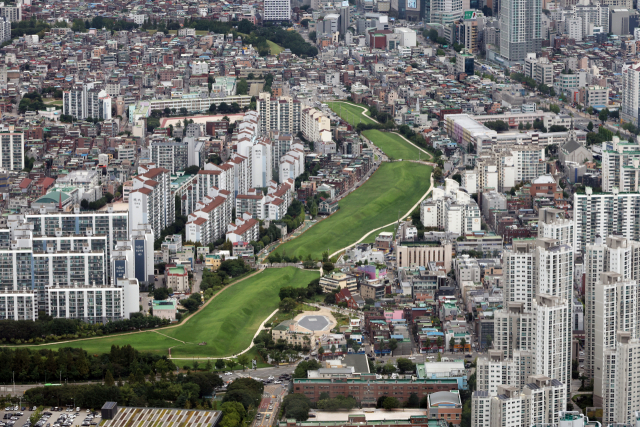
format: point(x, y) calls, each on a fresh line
point(277, 10)
point(615, 254)
point(520, 28)
point(603, 215)
point(445, 12)
point(281, 114)
point(345, 16)
point(630, 93)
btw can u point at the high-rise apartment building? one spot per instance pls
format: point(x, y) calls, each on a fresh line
point(150, 202)
point(620, 166)
point(5, 30)
point(554, 224)
point(281, 113)
point(277, 10)
point(630, 106)
point(603, 215)
point(616, 309)
point(614, 254)
point(12, 13)
point(170, 154)
point(540, 402)
point(98, 104)
point(112, 223)
point(12, 151)
point(520, 28)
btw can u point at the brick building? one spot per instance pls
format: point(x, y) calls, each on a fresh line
point(366, 389)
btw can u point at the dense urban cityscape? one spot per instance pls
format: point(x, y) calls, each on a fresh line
point(318, 213)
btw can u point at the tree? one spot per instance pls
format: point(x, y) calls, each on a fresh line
point(452, 344)
point(160, 294)
point(230, 363)
point(321, 350)
point(489, 340)
point(287, 305)
point(590, 110)
point(414, 401)
point(590, 126)
point(604, 115)
point(405, 365)
point(220, 364)
point(392, 344)
point(243, 360)
point(312, 36)
point(390, 403)
point(108, 379)
point(242, 87)
point(463, 343)
point(554, 108)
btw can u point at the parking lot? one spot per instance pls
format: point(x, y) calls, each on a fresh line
point(62, 417)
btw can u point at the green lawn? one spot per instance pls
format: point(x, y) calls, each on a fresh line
point(352, 113)
point(393, 189)
point(275, 48)
point(227, 324)
point(394, 146)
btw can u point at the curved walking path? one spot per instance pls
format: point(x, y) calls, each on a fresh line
point(371, 118)
point(260, 328)
point(387, 225)
point(146, 330)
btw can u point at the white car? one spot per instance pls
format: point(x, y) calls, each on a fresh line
point(277, 382)
point(270, 378)
point(228, 373)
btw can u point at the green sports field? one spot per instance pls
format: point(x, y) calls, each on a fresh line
point(227, 324)
point(392, 190)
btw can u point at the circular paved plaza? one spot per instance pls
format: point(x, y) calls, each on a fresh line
point(314, 323)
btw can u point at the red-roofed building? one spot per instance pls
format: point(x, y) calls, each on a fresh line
point(244, 229)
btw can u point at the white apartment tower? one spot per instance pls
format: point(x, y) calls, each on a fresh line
point(605, 214)
point(620, 166)
point(616, 311)
point(277, 10)
point(630, 93)
point(615, 254)
point(520, 28)
point(281, 114)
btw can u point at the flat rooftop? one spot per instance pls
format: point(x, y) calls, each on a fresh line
point(161, 417)
point(376, 415)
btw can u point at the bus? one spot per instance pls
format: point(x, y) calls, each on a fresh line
point(51, 384)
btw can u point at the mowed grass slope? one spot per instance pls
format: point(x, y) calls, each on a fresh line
point(352, 113)
point(227, 324)
point(394, 188)
point(395, 146)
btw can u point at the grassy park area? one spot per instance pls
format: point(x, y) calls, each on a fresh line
point(395, 146)
point(352, 113)
point(227, 324)
point(392, 190)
